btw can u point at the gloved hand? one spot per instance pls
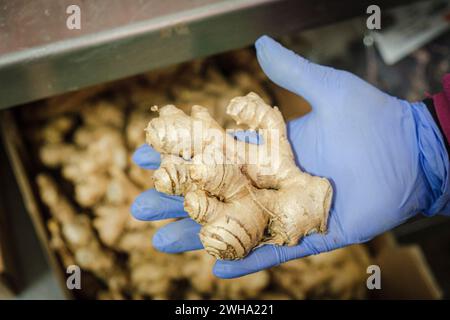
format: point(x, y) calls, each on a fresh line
point(384, 156)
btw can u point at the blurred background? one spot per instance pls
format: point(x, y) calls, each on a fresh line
point(74, 102)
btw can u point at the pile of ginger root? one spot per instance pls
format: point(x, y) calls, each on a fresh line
point(82, 145)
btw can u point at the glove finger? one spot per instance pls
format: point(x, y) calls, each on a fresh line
point(309, 245)
point(248, 136)
point(178, 236)
point(153, 205)
point(293, 72)
point(273, 255)
point(146, 157)
point(259, 259)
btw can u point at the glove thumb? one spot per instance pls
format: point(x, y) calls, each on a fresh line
point(295, 73)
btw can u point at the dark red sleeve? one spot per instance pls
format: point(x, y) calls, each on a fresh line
point(441, 107)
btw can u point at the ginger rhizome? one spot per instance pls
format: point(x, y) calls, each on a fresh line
point(241, 204)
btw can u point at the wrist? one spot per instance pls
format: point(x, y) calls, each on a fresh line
point(439, 119)
point(439, 106)
point(433, 159)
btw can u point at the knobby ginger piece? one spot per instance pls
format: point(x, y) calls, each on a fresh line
point(102, 113)
point(120, 188)
point(98, 149)
point(110, 222)
point(113, 219)
point(240, 205)
point(54, 155)
point(56, 129)
point(91, 189)
point(97, 152)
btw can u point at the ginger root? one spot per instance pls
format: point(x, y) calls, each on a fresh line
point(241, 204)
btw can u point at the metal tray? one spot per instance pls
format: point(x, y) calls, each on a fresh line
point(41, 57)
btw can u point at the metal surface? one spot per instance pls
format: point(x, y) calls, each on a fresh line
point(32, 277)
point(41, 57)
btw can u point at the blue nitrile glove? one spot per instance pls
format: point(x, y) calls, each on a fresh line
point(385, 157)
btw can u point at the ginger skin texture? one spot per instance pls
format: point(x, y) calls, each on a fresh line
point(240, 204)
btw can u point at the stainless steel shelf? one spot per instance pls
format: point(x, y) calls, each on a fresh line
point(41, 57)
